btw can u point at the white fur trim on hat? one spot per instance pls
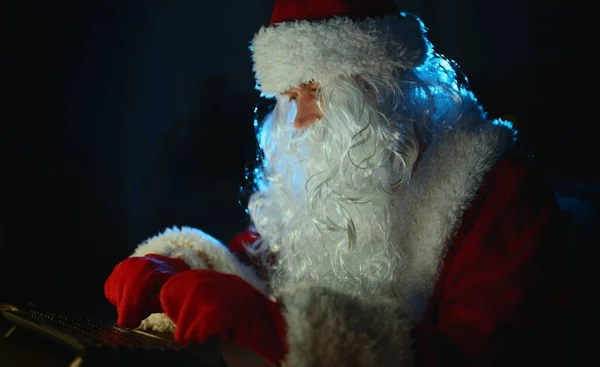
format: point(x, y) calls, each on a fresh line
point(288, 54)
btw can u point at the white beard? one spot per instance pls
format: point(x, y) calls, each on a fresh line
point(325, 201)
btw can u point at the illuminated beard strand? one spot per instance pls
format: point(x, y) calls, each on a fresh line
point(325, 202)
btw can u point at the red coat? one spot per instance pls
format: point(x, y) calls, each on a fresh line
point(501, 296)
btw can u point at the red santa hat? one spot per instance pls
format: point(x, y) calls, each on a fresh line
point(318, 40)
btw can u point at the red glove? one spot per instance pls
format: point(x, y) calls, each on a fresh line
point(205, 303)
point(134, 286)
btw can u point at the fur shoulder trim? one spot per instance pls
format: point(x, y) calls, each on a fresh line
point(291, 53)
point(442, 189)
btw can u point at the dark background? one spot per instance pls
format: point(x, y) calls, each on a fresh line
point(125, 117)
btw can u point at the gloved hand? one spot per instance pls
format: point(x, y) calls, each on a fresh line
point(205, 303)
point(134, 286)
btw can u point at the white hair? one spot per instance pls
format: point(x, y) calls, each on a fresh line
point(325, 195)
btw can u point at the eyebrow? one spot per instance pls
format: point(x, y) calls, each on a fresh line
point(312, 85)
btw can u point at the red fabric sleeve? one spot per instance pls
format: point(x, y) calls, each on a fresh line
point(501, 299)
point(238, 245)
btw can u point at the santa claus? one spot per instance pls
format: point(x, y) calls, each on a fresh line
point(393, 223)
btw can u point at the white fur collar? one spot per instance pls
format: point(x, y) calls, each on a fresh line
point(447, 178)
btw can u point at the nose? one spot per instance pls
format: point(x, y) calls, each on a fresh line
point(305, 120)
point(307, 110)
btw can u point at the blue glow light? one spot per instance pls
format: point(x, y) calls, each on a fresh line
point(508, 124)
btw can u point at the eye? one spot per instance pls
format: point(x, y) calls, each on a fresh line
point(292, 98)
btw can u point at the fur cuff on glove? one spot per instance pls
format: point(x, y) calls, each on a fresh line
point(200, 251)
point(327, 328)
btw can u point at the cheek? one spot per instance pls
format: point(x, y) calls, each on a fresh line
point(311, 106)
point(305, 106)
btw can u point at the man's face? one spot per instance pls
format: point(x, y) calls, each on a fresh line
point(308, 110)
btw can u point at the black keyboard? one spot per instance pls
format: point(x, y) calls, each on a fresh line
point(98, 340)
point(91, 331)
